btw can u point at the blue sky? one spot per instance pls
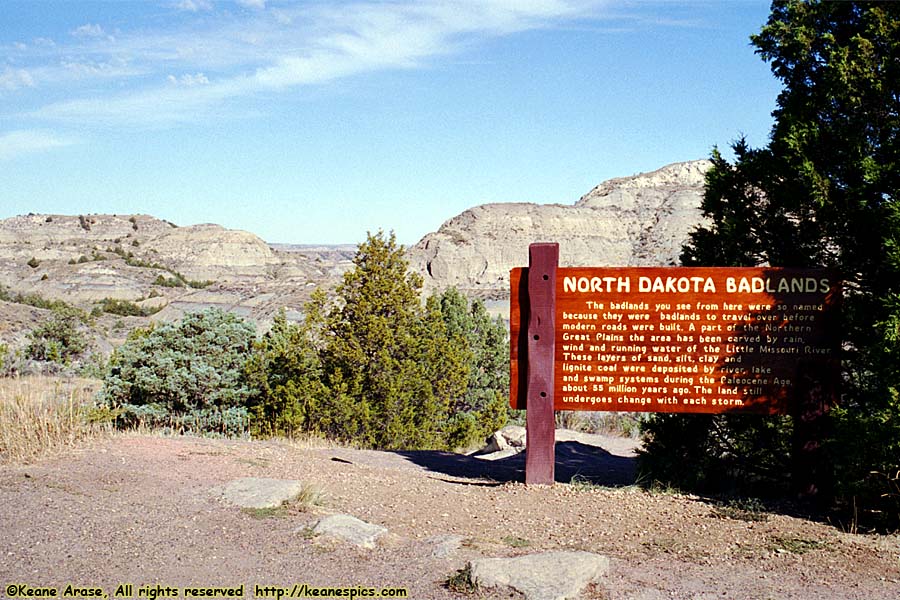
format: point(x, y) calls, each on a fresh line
point(314, 122)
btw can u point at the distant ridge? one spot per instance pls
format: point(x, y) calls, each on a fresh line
point(84, 259)
point(627, 221)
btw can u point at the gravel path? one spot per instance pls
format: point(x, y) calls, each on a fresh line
point(148, 510)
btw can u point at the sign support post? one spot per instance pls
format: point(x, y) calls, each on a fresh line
point(540, 422)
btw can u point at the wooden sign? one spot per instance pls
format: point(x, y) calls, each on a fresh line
point(681, 339)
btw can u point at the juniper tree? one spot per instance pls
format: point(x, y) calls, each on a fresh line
point(286, 378)
point(482, 409)
point(60, 338)
point(194, 364)
point(822, 193)
point(391, 373)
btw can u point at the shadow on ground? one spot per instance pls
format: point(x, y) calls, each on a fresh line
point(573, 459)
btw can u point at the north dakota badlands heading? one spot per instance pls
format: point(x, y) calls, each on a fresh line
point(687, 339)
point(696, 285)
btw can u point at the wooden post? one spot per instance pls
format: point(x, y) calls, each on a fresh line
point(540, 423)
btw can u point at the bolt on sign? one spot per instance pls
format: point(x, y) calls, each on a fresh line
point(682, 339)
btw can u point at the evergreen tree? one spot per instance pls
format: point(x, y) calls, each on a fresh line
point(60, 338)
point(377, 368)
point(285, 374)
point(823, 193)
point(390, 377)
point(483, 408)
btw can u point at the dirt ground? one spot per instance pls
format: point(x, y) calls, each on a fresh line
point(148, 510)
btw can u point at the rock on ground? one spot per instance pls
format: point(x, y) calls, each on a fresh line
point(443, 546)
point(350, 529)
point(545, 576)
point(256, 492)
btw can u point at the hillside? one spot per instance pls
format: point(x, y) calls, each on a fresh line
point(628, 221)
point(168, 270)
point(156, 264)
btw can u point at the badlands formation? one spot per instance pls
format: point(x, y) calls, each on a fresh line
point(84, 259)
point(630, 221)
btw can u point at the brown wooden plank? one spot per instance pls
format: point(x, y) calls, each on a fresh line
point(541, 347)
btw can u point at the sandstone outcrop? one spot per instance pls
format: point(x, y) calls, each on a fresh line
point(629, 221)
point(211, 252)
point(86, 259)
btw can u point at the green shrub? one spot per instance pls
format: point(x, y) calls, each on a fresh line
point(199, 285)
point(35, 300)
point(486, 349)
point(122, 252)
point(125, 308)
point(231, 422)
point(377, 368)
point(285, 374)
point(93, 367)
point(194, 365)
point(59, 339)
point(171, 282)
point(391, 369)
point(821, 193)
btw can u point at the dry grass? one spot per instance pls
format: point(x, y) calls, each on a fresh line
point(41, 415)
point(310, 497)
point(312, 441)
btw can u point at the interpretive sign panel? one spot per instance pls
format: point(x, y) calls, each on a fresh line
point(682, 339)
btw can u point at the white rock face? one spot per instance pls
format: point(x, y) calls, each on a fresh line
point(629, 221)
point(212, 252)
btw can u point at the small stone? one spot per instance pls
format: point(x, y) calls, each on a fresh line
point(350, 529)
point(545, 576)
point(258, 492)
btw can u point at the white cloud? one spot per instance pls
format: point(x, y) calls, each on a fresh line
point(194, 5)
point(89, 69)
point(13, 79)
point(16, 143)
point(260, 4)
point(300, 45)
point(188, 80)
point(89, 31)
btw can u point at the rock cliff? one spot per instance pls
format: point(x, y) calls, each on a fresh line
point(85, 259)
point(628, 221)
